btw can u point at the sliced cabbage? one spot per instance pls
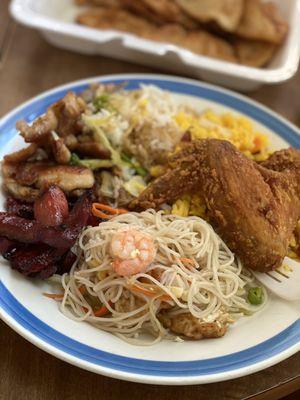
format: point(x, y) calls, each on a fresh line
point(110, 185)
point(96, 123)
point(135, 185)
point(92, 164)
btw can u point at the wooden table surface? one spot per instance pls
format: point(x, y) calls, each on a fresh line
point(28, 66)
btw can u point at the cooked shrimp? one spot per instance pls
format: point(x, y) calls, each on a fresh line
point(132, 251)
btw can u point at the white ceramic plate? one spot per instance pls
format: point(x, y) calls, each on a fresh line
point(253, 343)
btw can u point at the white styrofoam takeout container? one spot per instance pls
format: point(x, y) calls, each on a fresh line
point(55, 19)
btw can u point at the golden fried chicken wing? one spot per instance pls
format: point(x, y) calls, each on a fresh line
point(254, 209)
point(284, 160)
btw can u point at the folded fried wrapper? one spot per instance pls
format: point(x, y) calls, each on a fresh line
point(226, 13)
point(254, 53)
point(160, 12)
point(253, 28)
point(101, 3)
point(262, 21)
point(198, 41)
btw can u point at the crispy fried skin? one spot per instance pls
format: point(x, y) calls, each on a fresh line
point(284, 160)
point(21, 155)
point(253, 208)
point(61, 117)
point(61, 153)
point(92, 149)
point(24, 181)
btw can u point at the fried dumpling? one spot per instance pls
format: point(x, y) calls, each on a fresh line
point(262, 21)
point(254, 53)
point(226, 13)
point(100, 3)
point(159, 11)
point(197, 41)
point(106, 18)
point(205, 43)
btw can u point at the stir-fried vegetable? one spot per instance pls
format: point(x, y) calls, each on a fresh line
point(101, 311)
point(255, 296)
point(54, 296)
point(135, 185)
point(149, 291)
point(135, 165)
point(94, 124)
point(101, 102)
point(92, 164)
point(98, 211)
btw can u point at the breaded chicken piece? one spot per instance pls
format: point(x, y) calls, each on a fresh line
point(254, 209)
point(193, 328)
point(284, 160)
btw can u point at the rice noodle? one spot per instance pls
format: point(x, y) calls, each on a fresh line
point(215, 283)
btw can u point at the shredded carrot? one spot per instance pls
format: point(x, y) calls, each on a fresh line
point(82, 289)
point(99, 312)
point(98, 208)
point(149, 293)
point(258, 144)
point(187, 261)
point(55, 296)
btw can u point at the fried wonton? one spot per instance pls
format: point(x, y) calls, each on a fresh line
point(262, 21)
point(100, 3)
point(198, 41)
point(109, 18)
point(202, 42)
point(226, 13)
point(105, 3)
point(159, 11)
point(254, 53)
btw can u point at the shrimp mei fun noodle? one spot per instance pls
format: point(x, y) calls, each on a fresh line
point(137, 269)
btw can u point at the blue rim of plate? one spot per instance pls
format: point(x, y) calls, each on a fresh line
point(233, 365)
